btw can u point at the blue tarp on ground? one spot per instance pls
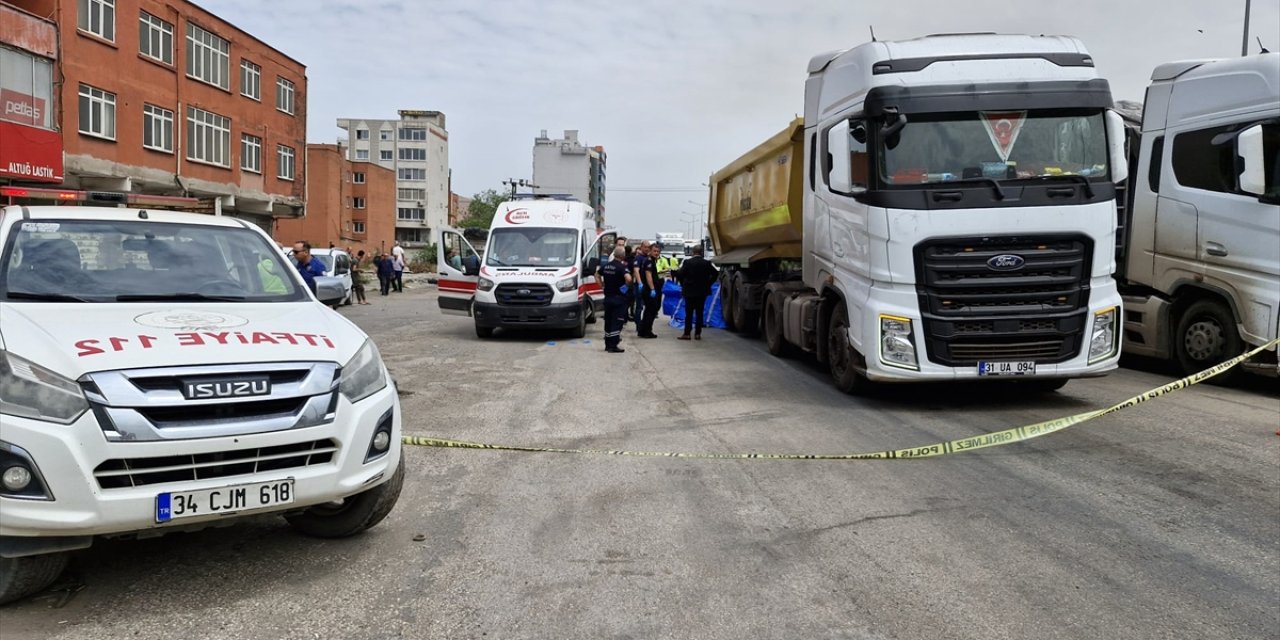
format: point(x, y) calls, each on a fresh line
point(713, 314)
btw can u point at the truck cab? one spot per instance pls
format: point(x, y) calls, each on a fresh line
point(537, 271)
point(1200, 259)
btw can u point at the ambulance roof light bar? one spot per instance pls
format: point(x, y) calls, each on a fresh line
point(117, 197)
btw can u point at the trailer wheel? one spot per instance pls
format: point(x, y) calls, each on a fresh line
point(21, 577)
point(1207, 336)
point(840, 354)
point(773, 333)
point(727, 301)
point(748, 320)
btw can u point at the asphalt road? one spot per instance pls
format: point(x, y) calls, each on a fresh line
point(1162, 521)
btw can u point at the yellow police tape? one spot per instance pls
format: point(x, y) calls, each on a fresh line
point(996, 439)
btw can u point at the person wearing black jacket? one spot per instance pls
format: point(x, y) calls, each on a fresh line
point(696, 275)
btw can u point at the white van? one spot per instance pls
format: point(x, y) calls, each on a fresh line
point(538, 269)
point(165, 371)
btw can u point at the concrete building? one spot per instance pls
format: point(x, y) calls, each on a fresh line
point(458, 207)
point(162, 97)
point(416, 148)
point(349, 204)
point(566, 166)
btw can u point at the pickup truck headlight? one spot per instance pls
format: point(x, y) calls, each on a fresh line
point(32, 391)
point(363, 375)
point(1104, 341)
point(568, 284)
point(484, 284)
point(897, 343)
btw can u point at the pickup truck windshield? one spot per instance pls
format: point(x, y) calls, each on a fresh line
point(1006, 145)
point(532, 247)
point(109, 261)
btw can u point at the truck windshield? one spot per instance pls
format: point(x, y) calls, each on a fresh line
point(109, 261)
point(532, 247)
point(946, 147)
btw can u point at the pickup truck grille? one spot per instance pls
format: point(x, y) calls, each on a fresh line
point(121, 473)
point(139, 405)
point(973, 311)
point(523, 295)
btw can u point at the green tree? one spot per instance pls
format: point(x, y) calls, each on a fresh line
point(483, 205)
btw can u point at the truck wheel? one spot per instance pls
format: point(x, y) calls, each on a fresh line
point(21, 577)
point(773, 333)
point(353, 514)
point(483, 332)
point(840, 354)
point(748, 320)
point(1206, 336)
point(727, 301)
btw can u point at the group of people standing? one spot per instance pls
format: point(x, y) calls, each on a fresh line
point(633, 291)
point(388, 267)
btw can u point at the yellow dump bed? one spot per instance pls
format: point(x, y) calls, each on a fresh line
point(756, 201)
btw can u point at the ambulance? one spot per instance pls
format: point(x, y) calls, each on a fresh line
point(164, 371)
point(538, 269)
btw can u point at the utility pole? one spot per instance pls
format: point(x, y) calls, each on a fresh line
point(1244, 43)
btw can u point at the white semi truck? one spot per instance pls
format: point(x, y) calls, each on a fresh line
point(1200, 240)
point(945, 210)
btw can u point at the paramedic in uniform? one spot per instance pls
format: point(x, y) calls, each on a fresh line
point(616, 283)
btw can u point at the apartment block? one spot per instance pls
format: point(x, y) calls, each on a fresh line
point(30, 145)
point(166, 98)
point(416, 148)
point(349, 204)
point(566, 166)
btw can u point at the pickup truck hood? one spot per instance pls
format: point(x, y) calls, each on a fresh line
point(77, 338)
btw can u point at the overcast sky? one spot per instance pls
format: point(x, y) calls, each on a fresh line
point(673, 89)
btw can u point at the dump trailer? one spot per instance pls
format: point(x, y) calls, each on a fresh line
point(945, 210)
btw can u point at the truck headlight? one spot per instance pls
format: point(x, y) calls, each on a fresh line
point(484, 284)
point(363, 375)
point(897, 343)
point(32, 391)
point(1104, 340)
point(568, 284)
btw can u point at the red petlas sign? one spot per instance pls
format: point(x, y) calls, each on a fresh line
point(30, 154)
point(21, 108)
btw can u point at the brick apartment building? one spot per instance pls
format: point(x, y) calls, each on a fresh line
point(166, 98)
point(30, 146)
point(349, 204)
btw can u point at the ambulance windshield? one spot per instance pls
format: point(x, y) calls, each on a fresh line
point(532, 247)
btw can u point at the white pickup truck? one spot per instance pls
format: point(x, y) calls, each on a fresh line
point(162, 371)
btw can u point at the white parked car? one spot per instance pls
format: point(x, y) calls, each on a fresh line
point(337, 264)
point(166, 371)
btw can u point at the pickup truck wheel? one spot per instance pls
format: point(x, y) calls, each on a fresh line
point(21, 577)
point(1206, 336)
point(773, 334)
point(352, 514)
point(840, 354)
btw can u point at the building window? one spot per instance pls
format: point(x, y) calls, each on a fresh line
point(357, 226)
point(357, 177)
point(157, 128)
point(97, 17)
point(412, 214)
point(413, 133)
point(411, 235)
point(155, 38)
point(207, 57)
point(386, 155)
point(362, 134)
point(357, 202)
point(284, 95)
point(362, 154)
point(208, 137)
point(413, 174)
point(385, 134)
point(411, 194)
point(250, 80)
point(284, 162)
point(413, 154)
point(250, 153)
point(97, 112)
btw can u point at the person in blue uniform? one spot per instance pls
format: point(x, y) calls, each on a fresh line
point(616, 284)
point(307, 265)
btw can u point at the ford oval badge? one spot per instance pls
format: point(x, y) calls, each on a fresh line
point(1006, 262)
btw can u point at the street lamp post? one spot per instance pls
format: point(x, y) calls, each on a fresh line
point(1244, 43)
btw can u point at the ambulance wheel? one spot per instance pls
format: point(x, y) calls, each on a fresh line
point(353, 514)
point(591, 313)
point(483, 332)
point(21, 577)
point(580, 331)
point(841, 356)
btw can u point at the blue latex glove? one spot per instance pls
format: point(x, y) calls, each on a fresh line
point(653, 293)
point(623, 289)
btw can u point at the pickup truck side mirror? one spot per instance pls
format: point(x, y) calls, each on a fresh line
point(1115, 145)
point(1253, 174)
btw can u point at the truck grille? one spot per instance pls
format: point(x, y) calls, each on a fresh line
point(121, 473)
point(523, 295)
point(974, 312)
